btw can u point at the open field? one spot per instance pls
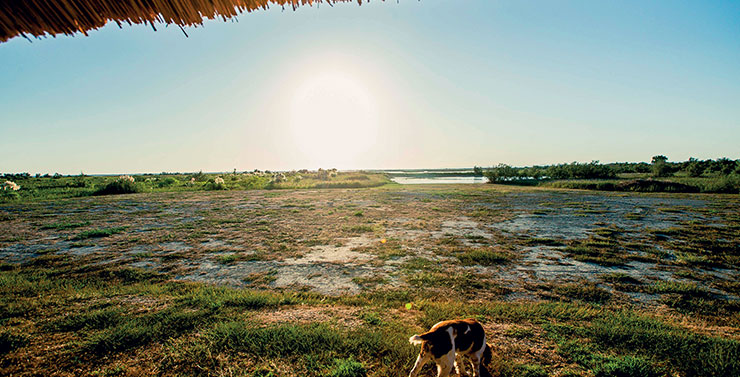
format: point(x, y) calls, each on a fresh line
point(318, 282)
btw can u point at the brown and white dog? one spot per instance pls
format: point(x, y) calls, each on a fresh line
point(447, 342)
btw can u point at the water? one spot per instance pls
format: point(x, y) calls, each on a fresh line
point(437, 180)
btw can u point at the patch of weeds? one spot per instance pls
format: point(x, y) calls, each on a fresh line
point(135, 332)
point(369, 281)
point(347, 368)
point(143, 255)
point(99, 233)
point(125, 336)
point(544, 242)
point(676, 287)
point(110, 372)
point(635, 216)
point(519, 332)
point(594, 255)
point(100, 319)
point(261, 278)
point(363, 228)
point(418, 263)
point(10, 341)
point(606, 232)
point(358, 214)
point(703, 305)
point(133, 275)
point(227, 258)
point(65, 225)
point(583, 291)
point(530, 370)
point(627, 366)
point(619, 277)
point(484, 257)
point(210, 297)
point(371, 318)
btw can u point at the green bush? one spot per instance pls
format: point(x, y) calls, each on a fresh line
point(119, 186)
point(167, 182)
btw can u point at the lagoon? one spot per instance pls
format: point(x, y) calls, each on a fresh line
point(437, 180)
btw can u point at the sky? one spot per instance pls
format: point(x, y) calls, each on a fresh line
point(407, 84)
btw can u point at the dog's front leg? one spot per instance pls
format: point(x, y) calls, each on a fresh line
point(460, 365)
point(420, 361)
point(445, 363)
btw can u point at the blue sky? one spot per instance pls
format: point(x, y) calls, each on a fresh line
point(408, 84)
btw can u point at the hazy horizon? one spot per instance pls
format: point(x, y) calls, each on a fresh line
point(407, 85)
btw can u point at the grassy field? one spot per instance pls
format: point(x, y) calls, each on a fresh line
point(318, 282)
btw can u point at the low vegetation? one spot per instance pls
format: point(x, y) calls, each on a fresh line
point(46, 187)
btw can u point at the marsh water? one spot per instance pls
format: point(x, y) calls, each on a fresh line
point(437, 180)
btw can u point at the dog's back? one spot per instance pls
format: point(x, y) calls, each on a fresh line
point(447, 339)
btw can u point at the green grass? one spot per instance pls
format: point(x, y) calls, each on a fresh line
point(483, 257)
point(347, 368)
point(583, 291)
point(65, 225)
point(693, 354)
point(99, 233)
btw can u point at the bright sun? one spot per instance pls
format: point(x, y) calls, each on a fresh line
point(333, 119)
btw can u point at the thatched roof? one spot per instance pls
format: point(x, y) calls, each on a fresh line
point(52, 17)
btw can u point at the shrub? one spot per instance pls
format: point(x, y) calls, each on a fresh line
point(167, 182)
point(123, 185)
point(216, 184)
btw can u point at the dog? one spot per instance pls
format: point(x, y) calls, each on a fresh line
point(447, 342)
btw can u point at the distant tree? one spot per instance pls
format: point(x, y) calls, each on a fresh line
point(500, 173)
point(660, 166)
point(723, 166)
point(694, 167)
point(477, 171)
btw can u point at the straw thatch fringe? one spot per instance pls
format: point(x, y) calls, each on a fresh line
point(52, 17)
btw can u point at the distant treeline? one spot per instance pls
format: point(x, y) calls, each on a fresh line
point(693, 175)
point(659, 167)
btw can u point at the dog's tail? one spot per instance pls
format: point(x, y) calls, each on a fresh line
point(416, 339)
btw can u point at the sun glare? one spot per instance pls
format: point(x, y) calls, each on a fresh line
point(333, 120)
